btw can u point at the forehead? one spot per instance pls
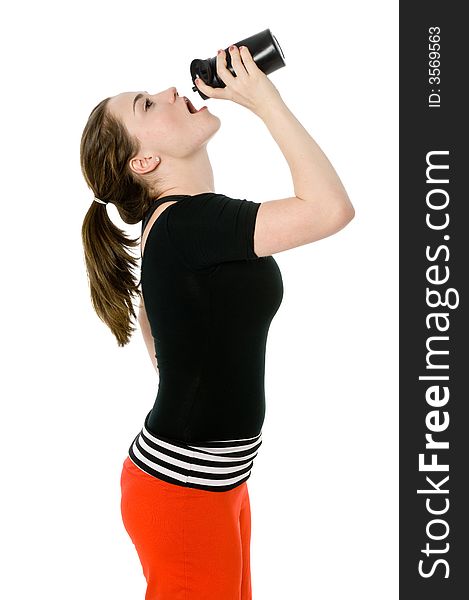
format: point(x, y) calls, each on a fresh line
point(122, 103)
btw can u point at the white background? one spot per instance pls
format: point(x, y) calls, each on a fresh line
point(325, 512)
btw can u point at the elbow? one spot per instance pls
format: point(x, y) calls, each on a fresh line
point(345, 213)
point(341, 216)
point(349, 214)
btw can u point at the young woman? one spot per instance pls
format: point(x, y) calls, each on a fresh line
point(209, 290)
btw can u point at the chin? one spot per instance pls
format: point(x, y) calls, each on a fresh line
point(217, 119)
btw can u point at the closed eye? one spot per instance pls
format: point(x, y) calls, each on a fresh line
point(147, 104)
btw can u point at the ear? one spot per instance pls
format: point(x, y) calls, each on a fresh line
point(144, 165)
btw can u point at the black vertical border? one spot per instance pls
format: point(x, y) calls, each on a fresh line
point(422, 130)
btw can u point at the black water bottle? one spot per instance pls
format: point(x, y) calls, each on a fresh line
point(265, 51)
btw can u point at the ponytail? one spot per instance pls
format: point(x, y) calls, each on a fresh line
point(105, 151)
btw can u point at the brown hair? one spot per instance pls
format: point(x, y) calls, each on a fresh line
point(105, 151)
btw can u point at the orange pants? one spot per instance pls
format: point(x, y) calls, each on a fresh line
point(192, 544)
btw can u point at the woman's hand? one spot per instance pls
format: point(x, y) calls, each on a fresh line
point(251, 87)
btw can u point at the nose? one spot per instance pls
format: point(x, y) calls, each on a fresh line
point(174, 92)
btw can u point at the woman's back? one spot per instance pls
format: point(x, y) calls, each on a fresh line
point(209, 301)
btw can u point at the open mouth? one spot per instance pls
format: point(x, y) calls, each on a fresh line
point(190, 107)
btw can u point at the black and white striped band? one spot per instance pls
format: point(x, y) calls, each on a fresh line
point(216, 466)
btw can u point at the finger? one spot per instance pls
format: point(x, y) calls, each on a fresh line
point(236, 62)
point(208, 90)
point(248, 61)
point(212, 92)
point(222, 70)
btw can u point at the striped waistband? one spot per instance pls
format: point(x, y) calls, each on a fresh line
point(218, 466)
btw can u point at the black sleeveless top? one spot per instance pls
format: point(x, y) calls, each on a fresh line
point(210, 301)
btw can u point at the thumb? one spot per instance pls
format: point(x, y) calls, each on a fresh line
point(208, 90)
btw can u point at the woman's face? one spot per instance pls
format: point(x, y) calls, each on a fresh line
point(162, 122)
